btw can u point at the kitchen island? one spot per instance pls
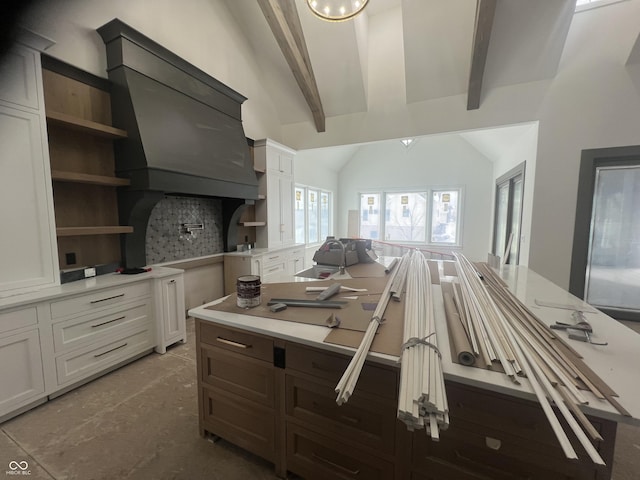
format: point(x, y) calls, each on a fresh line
point(267, 386)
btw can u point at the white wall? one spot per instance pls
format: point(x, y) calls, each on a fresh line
point(523, 150)
point(441, 160)
point(592, 102)
point(203, 32)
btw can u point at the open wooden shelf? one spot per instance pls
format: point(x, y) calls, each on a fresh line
point(100, 230)
point(85, 126)
point(252, 224)
point(74, 177)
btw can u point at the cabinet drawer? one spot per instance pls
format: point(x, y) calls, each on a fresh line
point(511, 415)
point(240, 342)
point(496, 456)
point(273, 258)
point(89, 328)
point(365, 419)
point(81, 363)
point(373, 379)
point(18, 319)
point(244, 376)
point(239, 421)
point(99, 299)
point(273, 270)
point(315, 456)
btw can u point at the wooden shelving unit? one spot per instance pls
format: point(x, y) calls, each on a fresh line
point(99, 230)
point(78, 112)
point(75, 177)
point(252, 224)
point(84, 126)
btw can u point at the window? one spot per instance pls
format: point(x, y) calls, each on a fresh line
point(427, 217)
point(406, 217)
point(324, 215)
point(299, 209)
point(312, 207)
point(312, 216)
point(370, 216)
point(444, 217)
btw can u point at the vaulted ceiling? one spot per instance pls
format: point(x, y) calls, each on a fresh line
point(399, 50)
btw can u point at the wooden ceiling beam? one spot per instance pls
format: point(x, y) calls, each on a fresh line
point(282, 17)
point(485, 11)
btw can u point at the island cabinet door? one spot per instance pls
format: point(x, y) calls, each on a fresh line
point(236, 383)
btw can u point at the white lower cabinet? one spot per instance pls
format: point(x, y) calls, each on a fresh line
point(270, 266)
point(78, 364)
point(100, 329)
point(21, 372)
point(61, 338)
point(171, 312)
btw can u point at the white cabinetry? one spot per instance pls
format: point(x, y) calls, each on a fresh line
point(269, 265)
point(101, 329)
point(21, 375)
point(277, 186)
point(28, 245)
point(171, 320)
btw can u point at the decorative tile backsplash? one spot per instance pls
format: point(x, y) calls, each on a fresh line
point(167, 240)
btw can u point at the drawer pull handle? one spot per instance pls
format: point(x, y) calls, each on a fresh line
point(113, 349)
point(353, 420)
point(273, 258)
point(493, 443)
point(108, 298)
point(321, 368)
point(232, 343)
point(108, 321)
point(335, 465)
point(273, 269)
point(172, 281)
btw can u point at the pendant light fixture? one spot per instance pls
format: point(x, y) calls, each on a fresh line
point(336, 10)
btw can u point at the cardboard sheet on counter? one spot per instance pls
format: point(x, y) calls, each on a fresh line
point(352, 317)
point(388, 338)
point(366, 270)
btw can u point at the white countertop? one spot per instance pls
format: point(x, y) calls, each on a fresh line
point(83, 286)
point(616, 363)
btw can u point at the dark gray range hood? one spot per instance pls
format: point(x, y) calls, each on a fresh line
point(185, 134)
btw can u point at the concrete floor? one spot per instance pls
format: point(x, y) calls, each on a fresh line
point(141, 422)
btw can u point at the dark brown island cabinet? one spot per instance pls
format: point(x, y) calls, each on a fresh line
point(276, 399)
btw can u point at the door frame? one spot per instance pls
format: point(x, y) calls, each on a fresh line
point(590, 160)
point(518, 170)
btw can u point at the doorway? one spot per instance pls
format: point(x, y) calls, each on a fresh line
point(605, 266)
point(508, 213)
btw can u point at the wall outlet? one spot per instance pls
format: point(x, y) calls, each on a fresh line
point(89, 272)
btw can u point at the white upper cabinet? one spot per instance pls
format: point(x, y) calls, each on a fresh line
point(28, 249)
point(277, 186)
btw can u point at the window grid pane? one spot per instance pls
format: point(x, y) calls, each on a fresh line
point(406, 217)
point(370, 215)
point(313, 211)
point(444, 217)
point(324, 215)
point(299, 209)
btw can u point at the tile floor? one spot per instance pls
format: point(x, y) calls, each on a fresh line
point(141, 422)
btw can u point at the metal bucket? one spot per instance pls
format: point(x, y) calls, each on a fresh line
point(248, 288)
